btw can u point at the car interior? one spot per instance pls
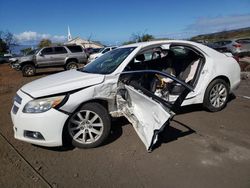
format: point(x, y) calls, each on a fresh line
point(182, 62)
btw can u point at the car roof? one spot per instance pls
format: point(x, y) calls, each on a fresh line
point(144, 44)
point(205, 49)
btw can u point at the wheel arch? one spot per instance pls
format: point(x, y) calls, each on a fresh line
point(71, 59)
point(223, 77)
point(26, 63)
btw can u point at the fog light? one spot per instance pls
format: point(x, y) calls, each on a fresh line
point(34, 135)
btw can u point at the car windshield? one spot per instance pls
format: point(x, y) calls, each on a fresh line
point(33, 52)
point(108, 62)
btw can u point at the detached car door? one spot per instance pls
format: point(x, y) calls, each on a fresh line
point(148, 113)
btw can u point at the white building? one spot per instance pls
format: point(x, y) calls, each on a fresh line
point(84, 43)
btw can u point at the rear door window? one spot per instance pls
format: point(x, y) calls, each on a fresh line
point(47, 51)
point(60, 50)
point(75, 49)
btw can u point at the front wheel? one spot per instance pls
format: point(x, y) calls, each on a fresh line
point(29, 70)
point(89, 126)
point(216, 95)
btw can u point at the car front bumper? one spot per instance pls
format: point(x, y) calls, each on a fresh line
point(15, 65)
point(48, 124)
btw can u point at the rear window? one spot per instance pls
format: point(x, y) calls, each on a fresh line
point(75, 49)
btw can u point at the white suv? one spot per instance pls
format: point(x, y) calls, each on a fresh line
point(131, 81)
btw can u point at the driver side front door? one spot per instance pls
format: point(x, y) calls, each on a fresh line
point(148, 113)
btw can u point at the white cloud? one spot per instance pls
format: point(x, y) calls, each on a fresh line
point(33, 37)
point(219, 23)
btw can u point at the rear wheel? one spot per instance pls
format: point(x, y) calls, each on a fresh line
point(89, 126)
point(28, 70)
point(216, 95)
point(71, 65)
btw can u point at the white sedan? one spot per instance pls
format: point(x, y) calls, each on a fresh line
point(145, 82)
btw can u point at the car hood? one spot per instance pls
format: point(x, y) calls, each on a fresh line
point(61, 82)
point(21, 59)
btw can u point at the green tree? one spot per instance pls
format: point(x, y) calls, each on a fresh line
point(44, 43)
point(6, 40)
point(3, 47)
point(140, 37)
point(128, 42)
point(25, 51)
point(57, 44)
point(9, 39)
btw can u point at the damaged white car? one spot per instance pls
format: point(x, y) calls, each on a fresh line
point(145, 82)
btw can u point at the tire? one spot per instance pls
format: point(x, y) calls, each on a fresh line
point(71, 65)
point(28, 70)
point(89, 126)
point(216, 95)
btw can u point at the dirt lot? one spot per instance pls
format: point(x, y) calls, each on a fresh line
point(199, 149)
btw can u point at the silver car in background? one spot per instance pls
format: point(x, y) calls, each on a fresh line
point(235, 46)
point(68, 57)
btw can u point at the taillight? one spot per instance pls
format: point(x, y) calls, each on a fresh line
point(237, 45)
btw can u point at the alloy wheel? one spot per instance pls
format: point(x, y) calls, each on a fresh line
point(72, 66)
point(218, 95)
point(85, 127)
point(29, 71)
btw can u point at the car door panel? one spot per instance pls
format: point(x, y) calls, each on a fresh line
point(147, 116)
point(59, 56)
point(44, 58)
point(148, 113)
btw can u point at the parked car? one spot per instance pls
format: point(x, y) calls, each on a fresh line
point(5, 58)
point(57, 56)
point(102, 51)
point(90, 51)
point(235, 46)
point(145, 82)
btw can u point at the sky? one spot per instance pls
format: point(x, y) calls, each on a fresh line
point(115, 21)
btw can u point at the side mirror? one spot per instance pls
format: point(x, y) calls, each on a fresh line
point(40, 54)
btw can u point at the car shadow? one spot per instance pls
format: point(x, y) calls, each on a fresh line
point(116, 129)
point(190, 108)
point(170, 134)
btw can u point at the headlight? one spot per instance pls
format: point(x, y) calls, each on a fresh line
point(42, 105)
